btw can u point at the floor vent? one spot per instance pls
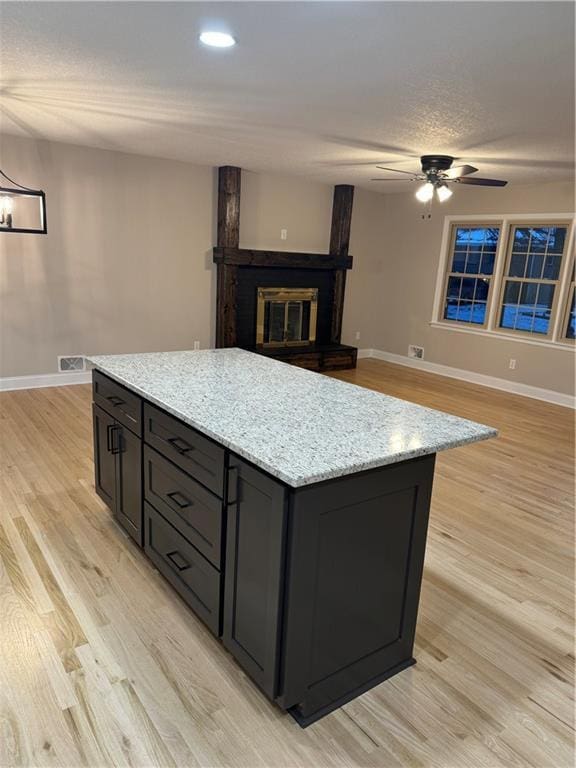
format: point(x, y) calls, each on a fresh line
point(68, 363)
point(417, 352)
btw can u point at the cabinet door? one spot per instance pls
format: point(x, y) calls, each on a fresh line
point(104, 459)
point(254, 572)
point(128, 453)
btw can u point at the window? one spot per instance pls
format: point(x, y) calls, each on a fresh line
point(570, 318)
point(532, 276)
point(508, 276)
point(472, 256)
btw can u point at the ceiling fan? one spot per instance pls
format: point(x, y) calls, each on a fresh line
point(437, 172)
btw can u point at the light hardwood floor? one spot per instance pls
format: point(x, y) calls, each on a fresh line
point(101, 664)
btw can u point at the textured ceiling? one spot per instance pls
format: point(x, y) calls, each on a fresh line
point(326, 90)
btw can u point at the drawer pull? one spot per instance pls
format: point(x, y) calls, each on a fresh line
point(111, 432)
point(177, 560)
point(180, 445)
point(179, 499)
point(116, 401)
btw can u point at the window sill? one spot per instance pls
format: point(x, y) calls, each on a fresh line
point(504, 336)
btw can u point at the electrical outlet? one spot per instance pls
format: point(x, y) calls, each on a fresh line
point(357, 335)
point(196, 345)
point(417, 352)
point(512, 364)
point(283, 234)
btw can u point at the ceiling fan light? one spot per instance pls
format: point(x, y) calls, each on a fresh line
point(425, 192)
point(444, 193)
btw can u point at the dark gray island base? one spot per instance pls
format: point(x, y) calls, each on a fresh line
point(313, 589)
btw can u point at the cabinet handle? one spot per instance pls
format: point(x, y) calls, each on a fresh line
point(177, 560)
point(233, 485)
point(176, 496)
point(115, 445)
point(115, 400)
point(111, 431)
point(180, 445)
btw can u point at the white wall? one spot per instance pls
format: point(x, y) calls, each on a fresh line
point(404, 267)
point(127, 262)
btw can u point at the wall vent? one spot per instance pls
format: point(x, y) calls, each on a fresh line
point(417, 352)
point(67, 363)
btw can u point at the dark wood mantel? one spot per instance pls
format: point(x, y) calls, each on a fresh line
point(248, 257)
point(233, 262)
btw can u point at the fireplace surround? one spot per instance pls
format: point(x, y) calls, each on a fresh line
point(309, 286)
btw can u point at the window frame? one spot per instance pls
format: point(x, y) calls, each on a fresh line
point(506, 223)
point(505, 277)
point(570, 293)
point(448, 273)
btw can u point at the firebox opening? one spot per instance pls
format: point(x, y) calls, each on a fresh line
point(286, 316)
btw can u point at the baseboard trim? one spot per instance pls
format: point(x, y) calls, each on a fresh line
point(45, 380)
point(514, 387)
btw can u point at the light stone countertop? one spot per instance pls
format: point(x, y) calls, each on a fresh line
point(301, 427)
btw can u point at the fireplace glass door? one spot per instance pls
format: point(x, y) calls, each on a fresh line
point(286, 316)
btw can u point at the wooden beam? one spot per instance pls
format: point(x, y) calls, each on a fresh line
point(249, 257)
point(228, 235)
point(341, 219)
point(339, 244)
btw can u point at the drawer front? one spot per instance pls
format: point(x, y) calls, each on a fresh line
point(118, 401)
point(193, 511)
point(184, 567)
point(195, 454)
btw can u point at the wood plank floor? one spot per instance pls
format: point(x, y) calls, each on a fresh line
point(101, 664)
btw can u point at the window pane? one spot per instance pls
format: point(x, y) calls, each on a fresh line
point(571, 327)
point(473, 262)
point(535, 266)
point(539, 239)
point(512, 292)
point(557, 239)
point(521, 240)
point(481, 293)
point(459, 261)
point(552, 267)
point(478, 312)
point(463, 236)
point(517, 265)
point(464, 311)
point(487, 263)
point(527, 307)
point(454, 284)
point(468, 286)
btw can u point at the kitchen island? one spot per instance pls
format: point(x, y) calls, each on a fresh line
point(288, 509)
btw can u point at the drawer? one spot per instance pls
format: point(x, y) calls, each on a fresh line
point(118, 401)
point(190, 574)
point(186, 447)
point(193, 511)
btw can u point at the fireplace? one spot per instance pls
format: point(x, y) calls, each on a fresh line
point(286, 316)
point(283, 304)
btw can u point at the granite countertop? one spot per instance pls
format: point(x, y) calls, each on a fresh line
point(301, 427)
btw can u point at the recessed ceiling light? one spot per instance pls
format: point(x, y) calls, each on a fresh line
point(217, 39)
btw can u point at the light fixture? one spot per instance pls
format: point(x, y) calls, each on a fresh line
point(443, 192)
point(425, 192)
point(16, 212)
point(217, 39)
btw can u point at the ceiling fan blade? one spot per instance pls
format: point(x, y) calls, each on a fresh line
point(460, 170)
point(482, 182)
point(392, 179)
point(394, 170)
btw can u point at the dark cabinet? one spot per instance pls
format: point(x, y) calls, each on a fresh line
point(118, 471)
point(104, 460)
point(254, 572)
